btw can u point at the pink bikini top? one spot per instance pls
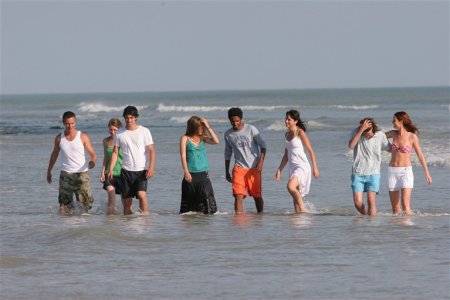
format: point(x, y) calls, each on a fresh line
point(403, 149)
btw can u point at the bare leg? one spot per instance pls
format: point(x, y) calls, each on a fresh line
point(110, 209)
point(127, 206)
point(371, 203)
point(238, 204)
point(395, 201)
point(293, 188)
point(63, 209)
point(259, 203)
point(359, 205)
point(143, 206)
point(406, 201)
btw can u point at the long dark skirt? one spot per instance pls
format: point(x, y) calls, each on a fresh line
point(198, 195)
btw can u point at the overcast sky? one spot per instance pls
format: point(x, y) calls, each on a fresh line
point(118, 46)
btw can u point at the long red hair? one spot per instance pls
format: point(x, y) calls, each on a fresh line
point(407, 123)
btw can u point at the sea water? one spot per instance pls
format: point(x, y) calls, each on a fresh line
point(330, 252)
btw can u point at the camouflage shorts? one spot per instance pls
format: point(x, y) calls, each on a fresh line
point(78, 184)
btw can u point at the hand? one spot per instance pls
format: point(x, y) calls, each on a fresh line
point(187, 177)
point(428, 178)
point(278, 175)
point(316, 173)
point(110, 175)
point(367, 124)
point(149, 173)
point(91, 164)
point(228, 177)
point(49, 177)
point(102, 177)
point(205, 123)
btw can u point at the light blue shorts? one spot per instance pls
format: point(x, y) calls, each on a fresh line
point(366, 183)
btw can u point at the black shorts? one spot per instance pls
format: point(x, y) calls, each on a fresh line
point(116, 182)
point(133, 182)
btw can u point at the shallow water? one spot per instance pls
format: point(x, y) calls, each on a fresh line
point(328, 253)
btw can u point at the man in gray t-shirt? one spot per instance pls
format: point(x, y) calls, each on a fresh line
point(367, 143)
point(249, 149)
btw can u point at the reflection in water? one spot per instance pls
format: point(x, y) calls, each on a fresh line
point(301, 220)
point(247, 220)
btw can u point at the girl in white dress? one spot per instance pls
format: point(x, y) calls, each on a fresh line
point(294, 154)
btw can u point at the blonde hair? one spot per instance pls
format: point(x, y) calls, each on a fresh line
point(115, 122)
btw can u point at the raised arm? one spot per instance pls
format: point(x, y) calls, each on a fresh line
point(212, 137)
point(354, 140)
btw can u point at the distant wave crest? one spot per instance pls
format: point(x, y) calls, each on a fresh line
point(355, 107)
point(100, 107)
point(206, 108)
point(280, 126)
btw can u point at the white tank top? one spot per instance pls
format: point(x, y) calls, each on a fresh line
point(73, 159)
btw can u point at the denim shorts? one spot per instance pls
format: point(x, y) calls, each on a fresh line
point(366, 183)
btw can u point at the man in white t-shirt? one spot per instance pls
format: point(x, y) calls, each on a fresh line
point(138, 161)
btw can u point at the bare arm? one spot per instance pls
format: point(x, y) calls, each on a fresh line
point(88, 146)
point(151, 157)
point(227, 170)
point(113, 161)
point(105, 160)
point(307, 144)
point(212, 137)
point(354, 140)
point(421, 157)
point(187, 174)
point(53, 158)
point(283, 163)
point(391, 133)
point(260, 164)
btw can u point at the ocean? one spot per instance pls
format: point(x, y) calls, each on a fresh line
point(330, 252)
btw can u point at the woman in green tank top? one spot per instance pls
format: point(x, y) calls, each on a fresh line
point(197, 193)
point(112, 187)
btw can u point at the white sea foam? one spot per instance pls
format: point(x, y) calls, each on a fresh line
point(100, 107)
point(280, 126)
point(355, 107)
point(206, 108)
point(183, 119)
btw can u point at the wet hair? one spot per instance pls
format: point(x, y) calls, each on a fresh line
point(374, 127)
point(407, 123)
point(295, 115)
point(235, 112)
point(67, 115)
point(130, 110)
point(192, 126)
point(114, 122)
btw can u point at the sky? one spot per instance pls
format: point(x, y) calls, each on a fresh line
point(152, 46)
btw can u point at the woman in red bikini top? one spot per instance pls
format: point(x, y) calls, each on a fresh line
point(404, 141)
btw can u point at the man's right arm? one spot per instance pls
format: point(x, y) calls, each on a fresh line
point(53, 158)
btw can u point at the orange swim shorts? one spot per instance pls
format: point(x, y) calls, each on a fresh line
point(246, 181)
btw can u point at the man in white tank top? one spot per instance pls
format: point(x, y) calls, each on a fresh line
point(74, 178)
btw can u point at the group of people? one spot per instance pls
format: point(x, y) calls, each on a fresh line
point(129, 160)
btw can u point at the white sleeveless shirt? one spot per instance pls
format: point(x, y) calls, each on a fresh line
point(73, 159)
point(298, 164)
